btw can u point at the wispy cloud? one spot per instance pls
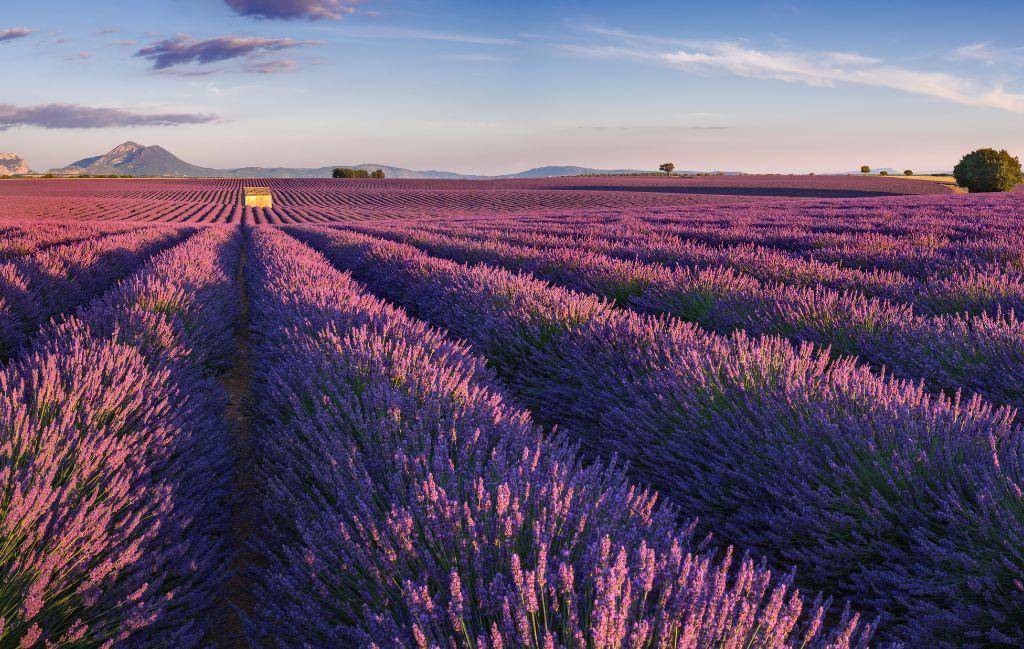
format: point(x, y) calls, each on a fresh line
point(461, 38)
point(612, 52)
point(223, 91)
point(829, 68)
point(294, 9)
point(183, 49)
point(399, 33)
point(641, 39)
point(820, 69)
point(73, 116)
point(190, 72)
point(989, 54)
point(271, 67)
point(14, 33)
point(533, 36)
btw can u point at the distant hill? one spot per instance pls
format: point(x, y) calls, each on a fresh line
point(552, 172)
point(82, 164)
point(325, 172)
point(133, 159)
point(13, 165)
point(556, 171)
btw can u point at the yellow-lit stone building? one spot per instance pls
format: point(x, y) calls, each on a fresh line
point(258, 197)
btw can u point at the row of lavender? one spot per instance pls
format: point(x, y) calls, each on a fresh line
point(803, 228)
point(38, 286)
point(113, 211)
point(980, 354)
point(973, 276)
point(19, 239)
point(115, 460)
point(964, 226)
point(874, 489)
point(408, 503)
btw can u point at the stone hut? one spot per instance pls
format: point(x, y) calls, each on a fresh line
point(258, 197)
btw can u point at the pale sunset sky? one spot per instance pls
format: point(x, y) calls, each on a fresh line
point(496, 87)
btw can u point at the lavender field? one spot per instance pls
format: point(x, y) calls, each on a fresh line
point(753, 411)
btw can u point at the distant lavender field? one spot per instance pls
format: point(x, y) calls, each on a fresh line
point(758, 411)
point(213, 200)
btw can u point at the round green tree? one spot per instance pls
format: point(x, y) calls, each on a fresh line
point(988, 170)
point(864, 169)
point(908, 172)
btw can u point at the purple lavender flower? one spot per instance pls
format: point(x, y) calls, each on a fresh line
point(407, 503)
point(874, 488)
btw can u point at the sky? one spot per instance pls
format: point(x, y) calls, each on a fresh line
point(496, 87)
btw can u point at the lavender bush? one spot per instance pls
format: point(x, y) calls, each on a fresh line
point(114, 462)
point(980, 354)
point(20, 239)
point(408, 504)
point(39, 286)
point(871, 487)
point(982, 275)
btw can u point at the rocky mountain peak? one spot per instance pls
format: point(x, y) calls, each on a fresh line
point(12, 165)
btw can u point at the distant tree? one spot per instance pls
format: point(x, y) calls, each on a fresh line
point(345, 172)
point(908, 172)
point(988, 170)
point(864, 169)
point(379, 173)
point(667, 167)
point(883, 173)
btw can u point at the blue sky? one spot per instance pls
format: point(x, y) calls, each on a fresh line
point(493, 87)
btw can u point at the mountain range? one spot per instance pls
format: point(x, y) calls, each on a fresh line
point(132, 159)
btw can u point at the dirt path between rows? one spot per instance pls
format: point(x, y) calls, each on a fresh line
point(238, 598)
